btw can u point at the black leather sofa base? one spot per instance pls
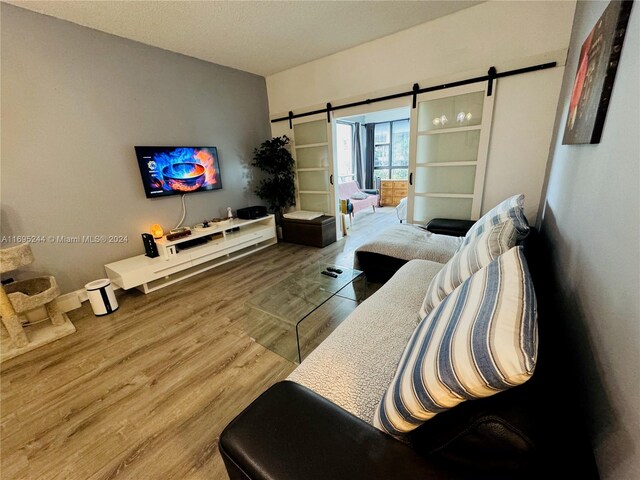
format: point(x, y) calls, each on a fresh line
point(377, 267)
point(447, 226)
point(290, 432)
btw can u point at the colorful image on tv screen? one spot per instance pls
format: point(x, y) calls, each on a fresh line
point(178, 170)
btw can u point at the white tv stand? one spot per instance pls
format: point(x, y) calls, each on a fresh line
point(175, 264)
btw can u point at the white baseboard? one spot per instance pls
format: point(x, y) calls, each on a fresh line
point(72, 300)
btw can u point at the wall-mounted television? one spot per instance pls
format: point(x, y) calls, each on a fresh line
point(178, 170)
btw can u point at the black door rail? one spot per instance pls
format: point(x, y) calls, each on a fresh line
point(490, 77)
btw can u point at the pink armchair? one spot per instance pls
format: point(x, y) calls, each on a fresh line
point(348, 189)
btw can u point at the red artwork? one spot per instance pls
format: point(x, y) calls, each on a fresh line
point(595, 75)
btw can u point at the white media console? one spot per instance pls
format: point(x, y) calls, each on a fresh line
point(175, 264)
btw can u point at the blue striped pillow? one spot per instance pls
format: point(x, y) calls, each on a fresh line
point(511, 208)
point(478, 253)
point(478, 341)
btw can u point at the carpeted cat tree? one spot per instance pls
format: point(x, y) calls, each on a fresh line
point(24, 296)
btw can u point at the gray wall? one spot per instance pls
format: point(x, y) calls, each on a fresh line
point(74, 103)
point(592, 223)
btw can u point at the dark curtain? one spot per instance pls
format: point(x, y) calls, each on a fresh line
point(368, 157)
point(357, 155)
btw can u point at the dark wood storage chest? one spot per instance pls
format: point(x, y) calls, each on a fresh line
point(318, 232)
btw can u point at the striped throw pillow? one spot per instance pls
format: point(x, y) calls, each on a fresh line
point(480, 340)
point(511, 208)
point(478, 253)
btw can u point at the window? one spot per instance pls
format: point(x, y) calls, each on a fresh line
point(391, 150)
point(344, 142)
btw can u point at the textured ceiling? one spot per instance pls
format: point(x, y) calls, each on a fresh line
point(262, 37)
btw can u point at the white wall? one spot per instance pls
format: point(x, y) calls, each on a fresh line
point(388, 115)
point(523, 118)
point(503, 34)
point(492, 33)
point(591, 224)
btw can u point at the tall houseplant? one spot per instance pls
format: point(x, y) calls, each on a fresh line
point(278, 189)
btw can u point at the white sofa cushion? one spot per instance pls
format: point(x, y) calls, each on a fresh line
point(410, 241)
point(478, 253)
point(355, 364)
point(512, 207)
point(480, 340)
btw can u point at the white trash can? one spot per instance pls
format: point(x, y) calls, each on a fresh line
point(102, 298)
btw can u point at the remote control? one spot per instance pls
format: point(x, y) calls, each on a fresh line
point(329, 274)
point(334, 270)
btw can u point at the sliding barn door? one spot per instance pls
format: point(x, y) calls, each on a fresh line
point(448, 153)
point(313, 152)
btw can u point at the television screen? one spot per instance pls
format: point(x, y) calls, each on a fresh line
point(177, 170)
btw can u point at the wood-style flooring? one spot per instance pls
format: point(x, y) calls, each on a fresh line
point(144, 393)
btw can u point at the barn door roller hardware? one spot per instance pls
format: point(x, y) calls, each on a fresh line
point(491, 76)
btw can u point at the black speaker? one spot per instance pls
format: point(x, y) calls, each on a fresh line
point(150, 247)
point(250, 213)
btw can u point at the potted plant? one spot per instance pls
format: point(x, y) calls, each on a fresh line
point(278, 189)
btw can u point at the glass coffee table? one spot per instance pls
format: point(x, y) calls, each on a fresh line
point(294, 316)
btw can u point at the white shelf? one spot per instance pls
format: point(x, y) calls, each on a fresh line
point(236, 222)
point(173, 264)
point(314, 169)
point(447, 164)
point(154, 285)
point(314, 192)
point(311, 145)
point(468, 128)
point(445, 195)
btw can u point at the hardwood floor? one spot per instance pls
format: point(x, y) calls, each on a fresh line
point(145, 392)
